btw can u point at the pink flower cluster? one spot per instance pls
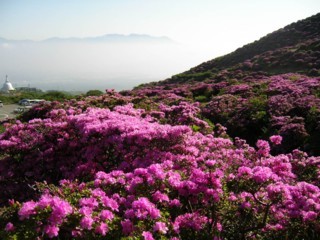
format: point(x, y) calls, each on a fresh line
point(121, 173)
point(58, 211)
point(276, 139)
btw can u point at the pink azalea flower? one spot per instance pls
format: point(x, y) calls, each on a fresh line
point(276, 139)
point(147, 235)
point(102, 229)
point(27, 209)
point(51, 230)
point(86, 222)
point(127, 226)
point(106, 215)
point(160, 227)
point(9, 227)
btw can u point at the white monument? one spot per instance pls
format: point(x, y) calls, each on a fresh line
point(7, 86)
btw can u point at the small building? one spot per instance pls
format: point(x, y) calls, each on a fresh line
point(7, 86)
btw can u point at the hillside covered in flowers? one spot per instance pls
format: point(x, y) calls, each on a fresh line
point(227, 150)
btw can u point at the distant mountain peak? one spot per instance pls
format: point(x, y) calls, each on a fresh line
point(133, 37)
point(112, 38)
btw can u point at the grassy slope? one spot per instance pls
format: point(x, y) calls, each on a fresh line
point(294, 48)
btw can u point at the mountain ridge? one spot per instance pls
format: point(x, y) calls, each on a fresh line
point(133, 37)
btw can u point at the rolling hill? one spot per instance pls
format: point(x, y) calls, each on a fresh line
point(292, 49)
point(270, 86)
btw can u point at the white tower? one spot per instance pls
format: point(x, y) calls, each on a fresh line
point(7, 86)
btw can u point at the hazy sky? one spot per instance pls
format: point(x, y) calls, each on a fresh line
point(208, 28)
point(225, 23)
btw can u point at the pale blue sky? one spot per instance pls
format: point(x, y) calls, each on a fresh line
point(197, 22)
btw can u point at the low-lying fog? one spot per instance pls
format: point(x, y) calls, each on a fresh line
point(82, 64)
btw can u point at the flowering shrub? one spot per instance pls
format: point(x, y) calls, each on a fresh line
point(70, 145)
point(239, 101)
point(121, 174)
point(242, 102)
point(261, 106)
point(184, 114)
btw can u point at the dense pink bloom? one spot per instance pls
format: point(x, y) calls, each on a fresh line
point(160, 227)
point(28, 208)
point(89, 202)
point(219, 227)
point(9, 227)
point(127, 226)
point(190, 220)
point(309, 216)
point(210, 163)
point(133, 171)
point(244, 171)
point(60, 209)
point(175, 203)
point(51, 230)
point(98, 193)
point(106, 215)
point(111, 203)
point(160, 197)
point(263, 148)
point(102, 229)
point(262, 174)
point(147, 236)
point(44, 201)
point(143, 208)
point(86, 222)
point(86, 211)
point(276, 139)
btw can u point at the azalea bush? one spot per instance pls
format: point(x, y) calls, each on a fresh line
point(237, 100)
point(91, 173)
point(242, 102)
